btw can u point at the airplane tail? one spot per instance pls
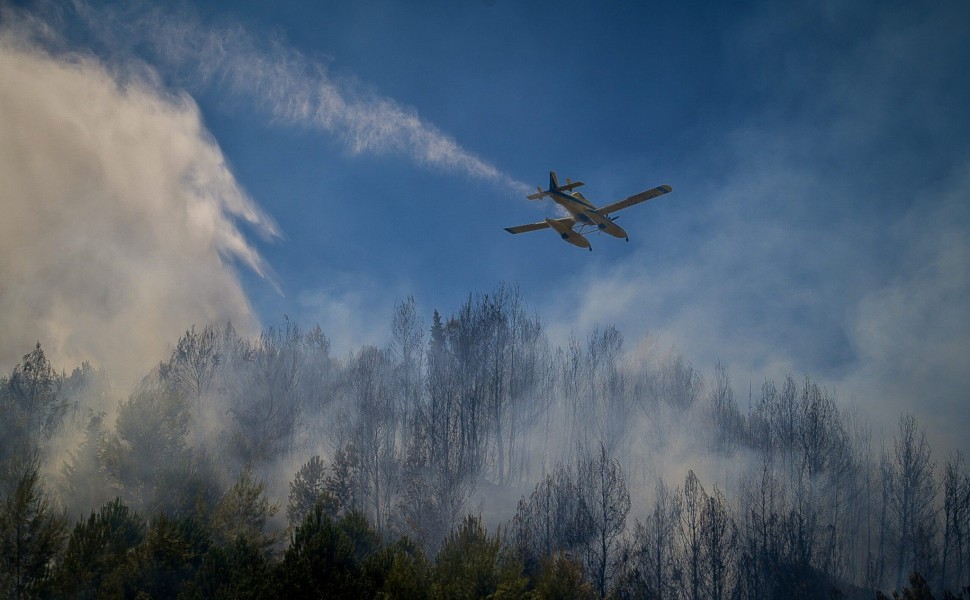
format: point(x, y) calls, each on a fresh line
point(554, 187)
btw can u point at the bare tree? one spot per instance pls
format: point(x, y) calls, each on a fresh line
point(406, 351)
point(727, 420)
point(316, 386)
point(956, 517)
point(606, 502)
point(651, 569)
point(690, 533)
point(437, 480)
point(612, 408)
point(572, 365)
point(762, 547)
point(911, 494)
point(680, 384)
point(552, 520)
point(530, 370)
point(373, 431)
point(193, 363)
point(264, 398)
point(718, 546)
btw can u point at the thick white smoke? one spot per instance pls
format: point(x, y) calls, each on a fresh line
point(117, 214)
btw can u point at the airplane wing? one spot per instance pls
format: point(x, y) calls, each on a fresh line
point(569, 221)
point(635, 199)
point(530, 227)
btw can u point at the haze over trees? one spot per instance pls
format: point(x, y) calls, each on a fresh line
point(467, 457)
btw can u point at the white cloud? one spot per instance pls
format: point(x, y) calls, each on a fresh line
point(118, 225)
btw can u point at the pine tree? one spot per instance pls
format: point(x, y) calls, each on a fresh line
point(325, 558)
point(32, 532)
point(100, 551)
point(472, 564)
point(242, 513)
point(31, 409)
point(306, 487)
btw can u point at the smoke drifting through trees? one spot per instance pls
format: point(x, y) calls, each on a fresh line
point(414, 436)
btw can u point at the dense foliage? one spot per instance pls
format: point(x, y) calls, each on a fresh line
point(635, 476)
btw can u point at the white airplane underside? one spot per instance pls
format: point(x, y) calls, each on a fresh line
point(583, 213)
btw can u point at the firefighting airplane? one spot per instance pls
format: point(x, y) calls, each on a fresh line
point(581, 211)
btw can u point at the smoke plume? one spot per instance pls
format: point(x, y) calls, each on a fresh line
point(120, 213)
point(289, 86)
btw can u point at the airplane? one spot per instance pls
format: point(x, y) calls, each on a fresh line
point(583, 212)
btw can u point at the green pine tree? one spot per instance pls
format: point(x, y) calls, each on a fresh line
point(242, 513)
point(32, 533)
point(472, 564)
point(100, 552)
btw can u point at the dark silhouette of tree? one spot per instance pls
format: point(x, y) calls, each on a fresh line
point(236, 571)
point(242, 512)
point(170, 557)
point(100, 553)
point(725, 415)
point(649, 566)
point(305, 489)
point(605, 503)
point(84, 483)
point(373, 432)
point(148, 460)
point(264, 397)
point(553, 520)
point(407, 356)
point(326, 558)
point(956, 519)
point(343, 482)
point(316, 383)
point(32, 532)
point(31, 409)
point(761, 541)
point(472, 564)
point(918, 590)
point(910, 502)
point(718, 546)
point(150, 431)
point(399, 570)
point(193, 363)
point(691, 536)
point(611, 408)
point(85, 392)
point(562, 578)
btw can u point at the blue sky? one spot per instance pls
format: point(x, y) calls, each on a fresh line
point(819, 157)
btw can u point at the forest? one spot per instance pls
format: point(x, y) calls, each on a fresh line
point(465, 458)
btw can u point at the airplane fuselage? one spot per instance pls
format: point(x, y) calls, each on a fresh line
point(585, 213)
